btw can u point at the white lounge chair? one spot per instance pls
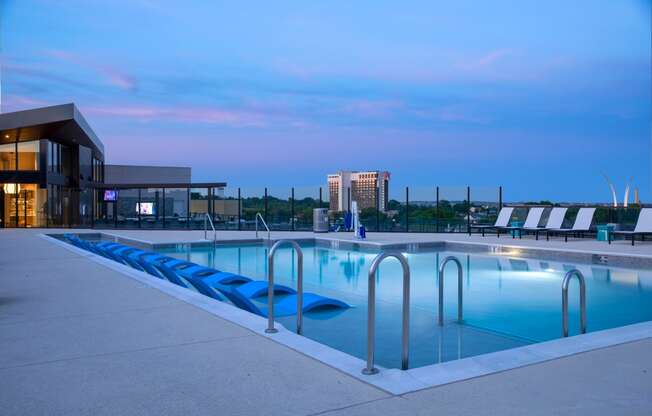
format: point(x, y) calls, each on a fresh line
point(555, 220)
point(582, 225)
point(643, 226)
point(531, 222)
point(502, 221)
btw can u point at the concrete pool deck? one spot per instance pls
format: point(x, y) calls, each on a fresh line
point(81, 338)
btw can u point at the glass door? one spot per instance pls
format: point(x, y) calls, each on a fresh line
point(2, 208)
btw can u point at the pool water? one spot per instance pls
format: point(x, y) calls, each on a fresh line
point(508, 302)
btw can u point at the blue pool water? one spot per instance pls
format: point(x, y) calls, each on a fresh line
point(508, 302)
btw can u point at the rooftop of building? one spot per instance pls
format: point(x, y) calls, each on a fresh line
point(62, 122)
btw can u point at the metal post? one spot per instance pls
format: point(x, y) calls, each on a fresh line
point(265, 204)
point(377, 209)
point(188, 196)
point(468, 209)
point(270, 286)
point(371, 311)
point(139, 205)
point(407, 209)
point(321, 199)
point(163, 202)
point(115, 209)
point(292, 209)
point(209, 203)
point(437, 212)
point(564, 301)
point(459, 288)
point(500, 197)
point(239, 210)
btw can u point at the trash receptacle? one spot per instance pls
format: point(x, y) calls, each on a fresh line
point(320, 220)
point(603, 231)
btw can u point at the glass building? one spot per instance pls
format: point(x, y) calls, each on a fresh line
point(50, 162)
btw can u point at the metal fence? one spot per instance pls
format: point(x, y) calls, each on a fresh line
point(408, 209)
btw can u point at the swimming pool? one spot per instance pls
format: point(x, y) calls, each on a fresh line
point(508, 301)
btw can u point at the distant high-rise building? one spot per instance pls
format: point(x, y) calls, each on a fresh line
point(362, 187)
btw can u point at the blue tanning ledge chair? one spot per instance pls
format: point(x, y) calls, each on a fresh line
point(213, 277)
point(284, 307)
point(239, 290)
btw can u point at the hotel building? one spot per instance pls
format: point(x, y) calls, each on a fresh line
point(369, 189)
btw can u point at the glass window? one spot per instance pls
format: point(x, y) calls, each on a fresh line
point(54, 153)
point(8, 156)
point(65, 160)
point(176, 207)
point(28, 155)
point(54, 205)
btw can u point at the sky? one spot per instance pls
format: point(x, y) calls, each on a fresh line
point(542, 98)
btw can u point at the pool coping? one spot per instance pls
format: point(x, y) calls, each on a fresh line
point(393, 381)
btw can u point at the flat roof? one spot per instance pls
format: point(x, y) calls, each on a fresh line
point(159, 185)
point(59, 122)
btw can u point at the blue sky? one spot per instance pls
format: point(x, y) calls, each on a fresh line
point(539, 97)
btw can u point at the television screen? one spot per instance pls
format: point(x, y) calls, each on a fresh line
point(145, 208)
point(110, 196)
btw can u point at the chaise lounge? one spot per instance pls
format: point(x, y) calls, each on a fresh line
point(502, 221)
point(643, 227)
point(531, 223)
point(582, 225)
point(555, 220)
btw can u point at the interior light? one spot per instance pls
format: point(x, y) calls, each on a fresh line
point(12, 188)
point(6, 136)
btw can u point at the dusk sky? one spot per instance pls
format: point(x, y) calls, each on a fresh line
point(539, 97)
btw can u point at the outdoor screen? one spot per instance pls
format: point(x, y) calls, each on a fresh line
point(145, 208)
point(110, 196)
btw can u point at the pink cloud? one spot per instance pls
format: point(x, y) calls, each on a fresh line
point(112, 75)
point(209, 115)
point(462, 115)
point(486, 60)
point(20, 102)
point(372, 108)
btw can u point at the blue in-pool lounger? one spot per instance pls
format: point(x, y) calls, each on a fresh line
point(247, 287)
point(213, 277)
point(173, 263)
point(111, 255)
point(148, 268)
point(173, 277)
point(258, 288)
point(169, 274)
point(284, 307)
point(130, 261)
point(108, 245)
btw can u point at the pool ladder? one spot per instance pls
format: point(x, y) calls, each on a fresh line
point(207, 220)
point(270, 285)
point(371, 311)
point(564, 301)
point(371, 308)
point(259, 216)
point(460, 275)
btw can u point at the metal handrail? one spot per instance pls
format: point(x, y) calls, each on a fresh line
point(459, 288)
point(371, 311)
point(270, 286)
point(207, 219)
point(258, 215)
point(564, 301)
